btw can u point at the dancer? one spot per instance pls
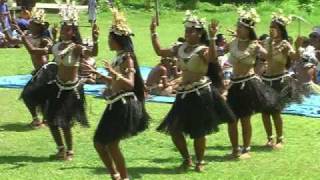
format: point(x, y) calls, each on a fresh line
point(279, 57)
point(38, 45)
point(66, 100)
point(199, 107)
point(247, 94)
point(125, 114)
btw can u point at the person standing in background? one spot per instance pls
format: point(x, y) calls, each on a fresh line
point(92, 11)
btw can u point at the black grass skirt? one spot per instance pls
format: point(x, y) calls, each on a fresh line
point(197, 113)
point(34, 94)
point(286, 87)
point(124, 116)
point(65, 107)
point(249, 95)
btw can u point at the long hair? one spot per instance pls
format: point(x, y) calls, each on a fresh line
point(285, 36)
point(214, 68)
point(77, 36)
point(125, 42)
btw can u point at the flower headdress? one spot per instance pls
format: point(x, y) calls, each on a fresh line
point(248, 17)
point(280, 18)
point(38, 16)
point(69, 14)
point(119, 23)
point(191, 20)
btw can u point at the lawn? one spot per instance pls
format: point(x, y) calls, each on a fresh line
point(24, 152)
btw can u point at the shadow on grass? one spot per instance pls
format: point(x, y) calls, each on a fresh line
point(134, 172)
point(138, 172)
point(254, 148)
point(21, 161)
point(16, 127)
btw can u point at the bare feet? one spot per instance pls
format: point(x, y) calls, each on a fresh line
point(186, 164)
point(36, 123)
point(270, 142)
point(245, 155)
point(199, 166)
point(115, 176)
point(60, 155)
point(69, 155)
point(279, 144)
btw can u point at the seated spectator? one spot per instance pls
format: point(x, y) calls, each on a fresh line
point(163, 78)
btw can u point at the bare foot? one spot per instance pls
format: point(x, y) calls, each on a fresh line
point(199, 166)
point(270, 144)
point(116, 176)
point(60, 155)
point(233, 156)
point(245, 155)
point(278, 146)
point(36, 124)
point(69, 155)
point(186, 164)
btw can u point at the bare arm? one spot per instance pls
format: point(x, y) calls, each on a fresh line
point(261, 51)
point(156, 44)
point(127, 78)
point(105, 79)
point(31, 49)
point(95, 38)
point(211, 54)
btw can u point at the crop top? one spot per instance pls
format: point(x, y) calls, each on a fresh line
point(65, 56)
point(248, 56)
point(276, 51)
point(191, 61)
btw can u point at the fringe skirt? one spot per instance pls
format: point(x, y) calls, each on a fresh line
point(249, 95)
point(66, 104)
point(124, 116)
point(34, 94)
point(286, 87)
point(197, 111)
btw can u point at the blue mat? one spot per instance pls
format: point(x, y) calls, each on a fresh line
point(19, 81)
point(310, 107)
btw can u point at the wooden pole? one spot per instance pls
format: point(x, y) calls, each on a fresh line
point(157, 6)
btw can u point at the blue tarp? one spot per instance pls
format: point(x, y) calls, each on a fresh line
point(310, 106)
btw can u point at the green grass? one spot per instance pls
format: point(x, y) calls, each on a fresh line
point(151, 155)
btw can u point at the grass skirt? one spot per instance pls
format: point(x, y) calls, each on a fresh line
point(124, 116)
point(34, 93)
point(249, 95)
point(66, 106)
point(197, 111)
point(286, 88)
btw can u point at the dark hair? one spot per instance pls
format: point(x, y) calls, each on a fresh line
point(214, 68)
point(263, 37)
point(77, 37)
point(220, 38)
point(125, 42)
point(285, 36)
point(252, 34)
point(181, 39)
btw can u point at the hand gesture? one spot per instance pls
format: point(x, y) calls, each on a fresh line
point(107, 66)
point(213, 28)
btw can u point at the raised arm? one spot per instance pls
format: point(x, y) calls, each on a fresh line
point(211, 54)
point(155, 42)
point(31, 49)
point(95, 38)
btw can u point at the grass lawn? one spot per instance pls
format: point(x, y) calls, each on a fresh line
point(24, 152)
